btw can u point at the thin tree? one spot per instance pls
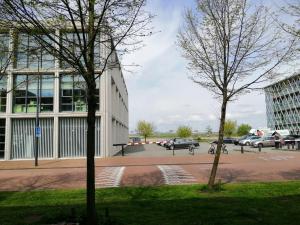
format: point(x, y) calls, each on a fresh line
point(231, 47)
point(243, 129)
point(229, 127)
point(145, 129)
point(184, 131)
point(208, 130)
point(120, 24)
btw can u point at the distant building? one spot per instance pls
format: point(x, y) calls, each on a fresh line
point(283, 104)
point(63, 104)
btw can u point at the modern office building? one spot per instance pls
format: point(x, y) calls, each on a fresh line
point(283, 104)
point(63, 105)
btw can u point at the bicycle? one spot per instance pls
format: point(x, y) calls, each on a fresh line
point(192, 149)
point(224, 149)
point(212, 149)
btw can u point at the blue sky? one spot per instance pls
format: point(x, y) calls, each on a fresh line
point(160, 91)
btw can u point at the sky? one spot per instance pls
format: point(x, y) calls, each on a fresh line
point(160, 90)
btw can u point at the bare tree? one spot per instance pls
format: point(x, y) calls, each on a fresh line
point(69, 30)
point(231, 47)
point(292, 9)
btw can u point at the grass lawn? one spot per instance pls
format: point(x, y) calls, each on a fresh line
point(245, 203)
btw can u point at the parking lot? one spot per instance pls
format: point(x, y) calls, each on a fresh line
point(154, 150)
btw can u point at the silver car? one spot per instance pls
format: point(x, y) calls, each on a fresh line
point(264, 142)
point(248, 140)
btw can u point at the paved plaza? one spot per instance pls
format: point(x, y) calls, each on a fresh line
point(153, 165)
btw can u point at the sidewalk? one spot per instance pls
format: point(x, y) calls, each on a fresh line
point(144, 171)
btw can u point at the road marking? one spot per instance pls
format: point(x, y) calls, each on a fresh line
point(109, 177)
point(176, 175)
point(276, 158)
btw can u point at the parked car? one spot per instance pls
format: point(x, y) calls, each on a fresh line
point(135, 140)
point(226, 140)
point(236, 142)
point(163, 143)
point(264, 142)
point(289, 139)
point(181, 143)
point(248, 140)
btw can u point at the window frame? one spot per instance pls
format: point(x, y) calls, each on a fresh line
point(27, 97)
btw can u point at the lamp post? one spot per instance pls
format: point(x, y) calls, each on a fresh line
point(37, 119)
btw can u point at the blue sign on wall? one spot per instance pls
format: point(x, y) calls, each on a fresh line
point(38, 132)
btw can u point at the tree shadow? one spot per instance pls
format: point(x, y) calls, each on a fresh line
point(233, 175)
point(41, 182)
point(131, 149)
point(142, 207)
point(291, 175)
point(153, 178)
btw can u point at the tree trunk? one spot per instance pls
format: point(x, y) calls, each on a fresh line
point(90, 181)
point(213, 173)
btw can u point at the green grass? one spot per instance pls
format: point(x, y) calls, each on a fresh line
point(247, 203)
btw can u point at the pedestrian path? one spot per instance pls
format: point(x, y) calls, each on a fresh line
point(109, 177)
point(176, 175)
point(276, 158)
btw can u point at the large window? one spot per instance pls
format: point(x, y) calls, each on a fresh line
point(26, 90)
point(72, 137)
point(23, 141)
point(30, 53)
point(4, 51)
point(3, 88)
point(74, 44)
point(2, 138)
point(73, 93)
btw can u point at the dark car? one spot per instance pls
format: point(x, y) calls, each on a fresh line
point(181, 143)
point(226, 141)
point(289, 139)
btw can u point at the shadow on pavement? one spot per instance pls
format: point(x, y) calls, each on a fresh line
point(131, 149)
point(31, 183)
point(291, 175)
point(153, 178)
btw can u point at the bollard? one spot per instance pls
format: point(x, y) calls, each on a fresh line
point(173, 152)
point(242, 149)
point(288, 146)
point(259, 148)
point(293, 145)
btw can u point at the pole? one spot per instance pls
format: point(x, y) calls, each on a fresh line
point(37, 121)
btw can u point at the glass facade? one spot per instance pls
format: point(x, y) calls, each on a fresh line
point(2, 138)
point(71, 42)
point(23, 141)
point(26, 90)
point(4, 51)
point(3, 92)
point(73, 137)
point(30, 53)
point(73, 93)
point(283, 105)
